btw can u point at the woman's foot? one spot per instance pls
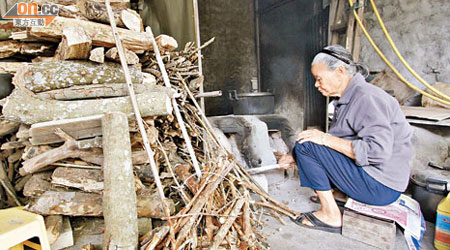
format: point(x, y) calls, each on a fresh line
point(334, 220)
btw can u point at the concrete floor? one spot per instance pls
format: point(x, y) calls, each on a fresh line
point(292, 236)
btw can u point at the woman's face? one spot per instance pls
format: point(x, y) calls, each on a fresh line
point(328, 82)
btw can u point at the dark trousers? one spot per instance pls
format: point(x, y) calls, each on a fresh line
point(319, 165)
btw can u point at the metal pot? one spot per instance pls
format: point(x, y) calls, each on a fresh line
point(428, 193)
point(255, 103)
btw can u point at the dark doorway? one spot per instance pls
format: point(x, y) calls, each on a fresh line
point(291, 33)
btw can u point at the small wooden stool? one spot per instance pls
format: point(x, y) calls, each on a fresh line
point(373, 231)
point(18, 226)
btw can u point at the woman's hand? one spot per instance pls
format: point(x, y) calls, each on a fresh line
point(312, 135)
point(286, 159)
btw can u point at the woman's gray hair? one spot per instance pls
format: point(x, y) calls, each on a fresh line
point(335, 56)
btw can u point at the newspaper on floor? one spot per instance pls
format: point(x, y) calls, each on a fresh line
point(405, 211)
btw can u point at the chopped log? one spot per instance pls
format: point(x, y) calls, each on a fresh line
point(21, 35)
point(37, 184)
point(14, 145)
point(67, 203)
point(100, 90)
point(24, 132)
point(130, 56)
point(9, 48)
point(97, 55)
point(75, 44)
point(131, 20)
point(12, 67)
point(44, 76)
point(101, 34)
point(138, 158)
point(22, 106)
point(88, 180)
point(78, 128)
point(8, 127)
point(21, 183)
point(96, 11)
point(119, 196)
point(65, 238)
point(115, 3)
point(54, 227)
point(70, 149)
point(37, 49)
point(166, 43)
point(89, 204)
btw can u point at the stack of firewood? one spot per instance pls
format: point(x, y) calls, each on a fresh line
point(53, 145)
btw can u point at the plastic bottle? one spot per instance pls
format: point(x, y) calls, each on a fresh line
point(442, 233)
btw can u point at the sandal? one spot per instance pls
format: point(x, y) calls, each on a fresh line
point(317, 224)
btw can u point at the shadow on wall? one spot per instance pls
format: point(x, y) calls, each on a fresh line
point(171, 17)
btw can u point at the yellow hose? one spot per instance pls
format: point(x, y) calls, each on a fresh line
point(383, 57)
point(401, 57)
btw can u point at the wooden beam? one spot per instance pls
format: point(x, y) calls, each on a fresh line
point(100, 34)
point(90, 204)
point(119, 197)
point(101, 90)
point(44, 76)
point(22, 106)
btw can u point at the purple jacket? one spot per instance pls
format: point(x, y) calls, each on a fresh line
point(377, 127)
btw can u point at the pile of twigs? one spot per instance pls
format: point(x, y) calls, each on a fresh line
point(217, 209)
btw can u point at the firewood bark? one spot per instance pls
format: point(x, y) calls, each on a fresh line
point(123, 17)
point(12, 67)
point(37, 49)
point(90, 204)
point(101, 34)
point(130, 56)
point(166, 43)
point(97, 55)
point(138, 158)
point(37, 184)
point(8, 127)
point(75, 44)
point(131, 20)
point(54, 226)
point(45, 76)
point(78, 128)
point(100, 90)
point(88, 180)
point(70, 149)
point(22, 106)
point(9, 48)
point(119, 196)
point(115, 3)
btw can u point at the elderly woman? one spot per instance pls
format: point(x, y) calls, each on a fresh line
point(366, 152)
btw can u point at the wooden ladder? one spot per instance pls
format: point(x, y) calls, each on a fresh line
point(343, 29)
